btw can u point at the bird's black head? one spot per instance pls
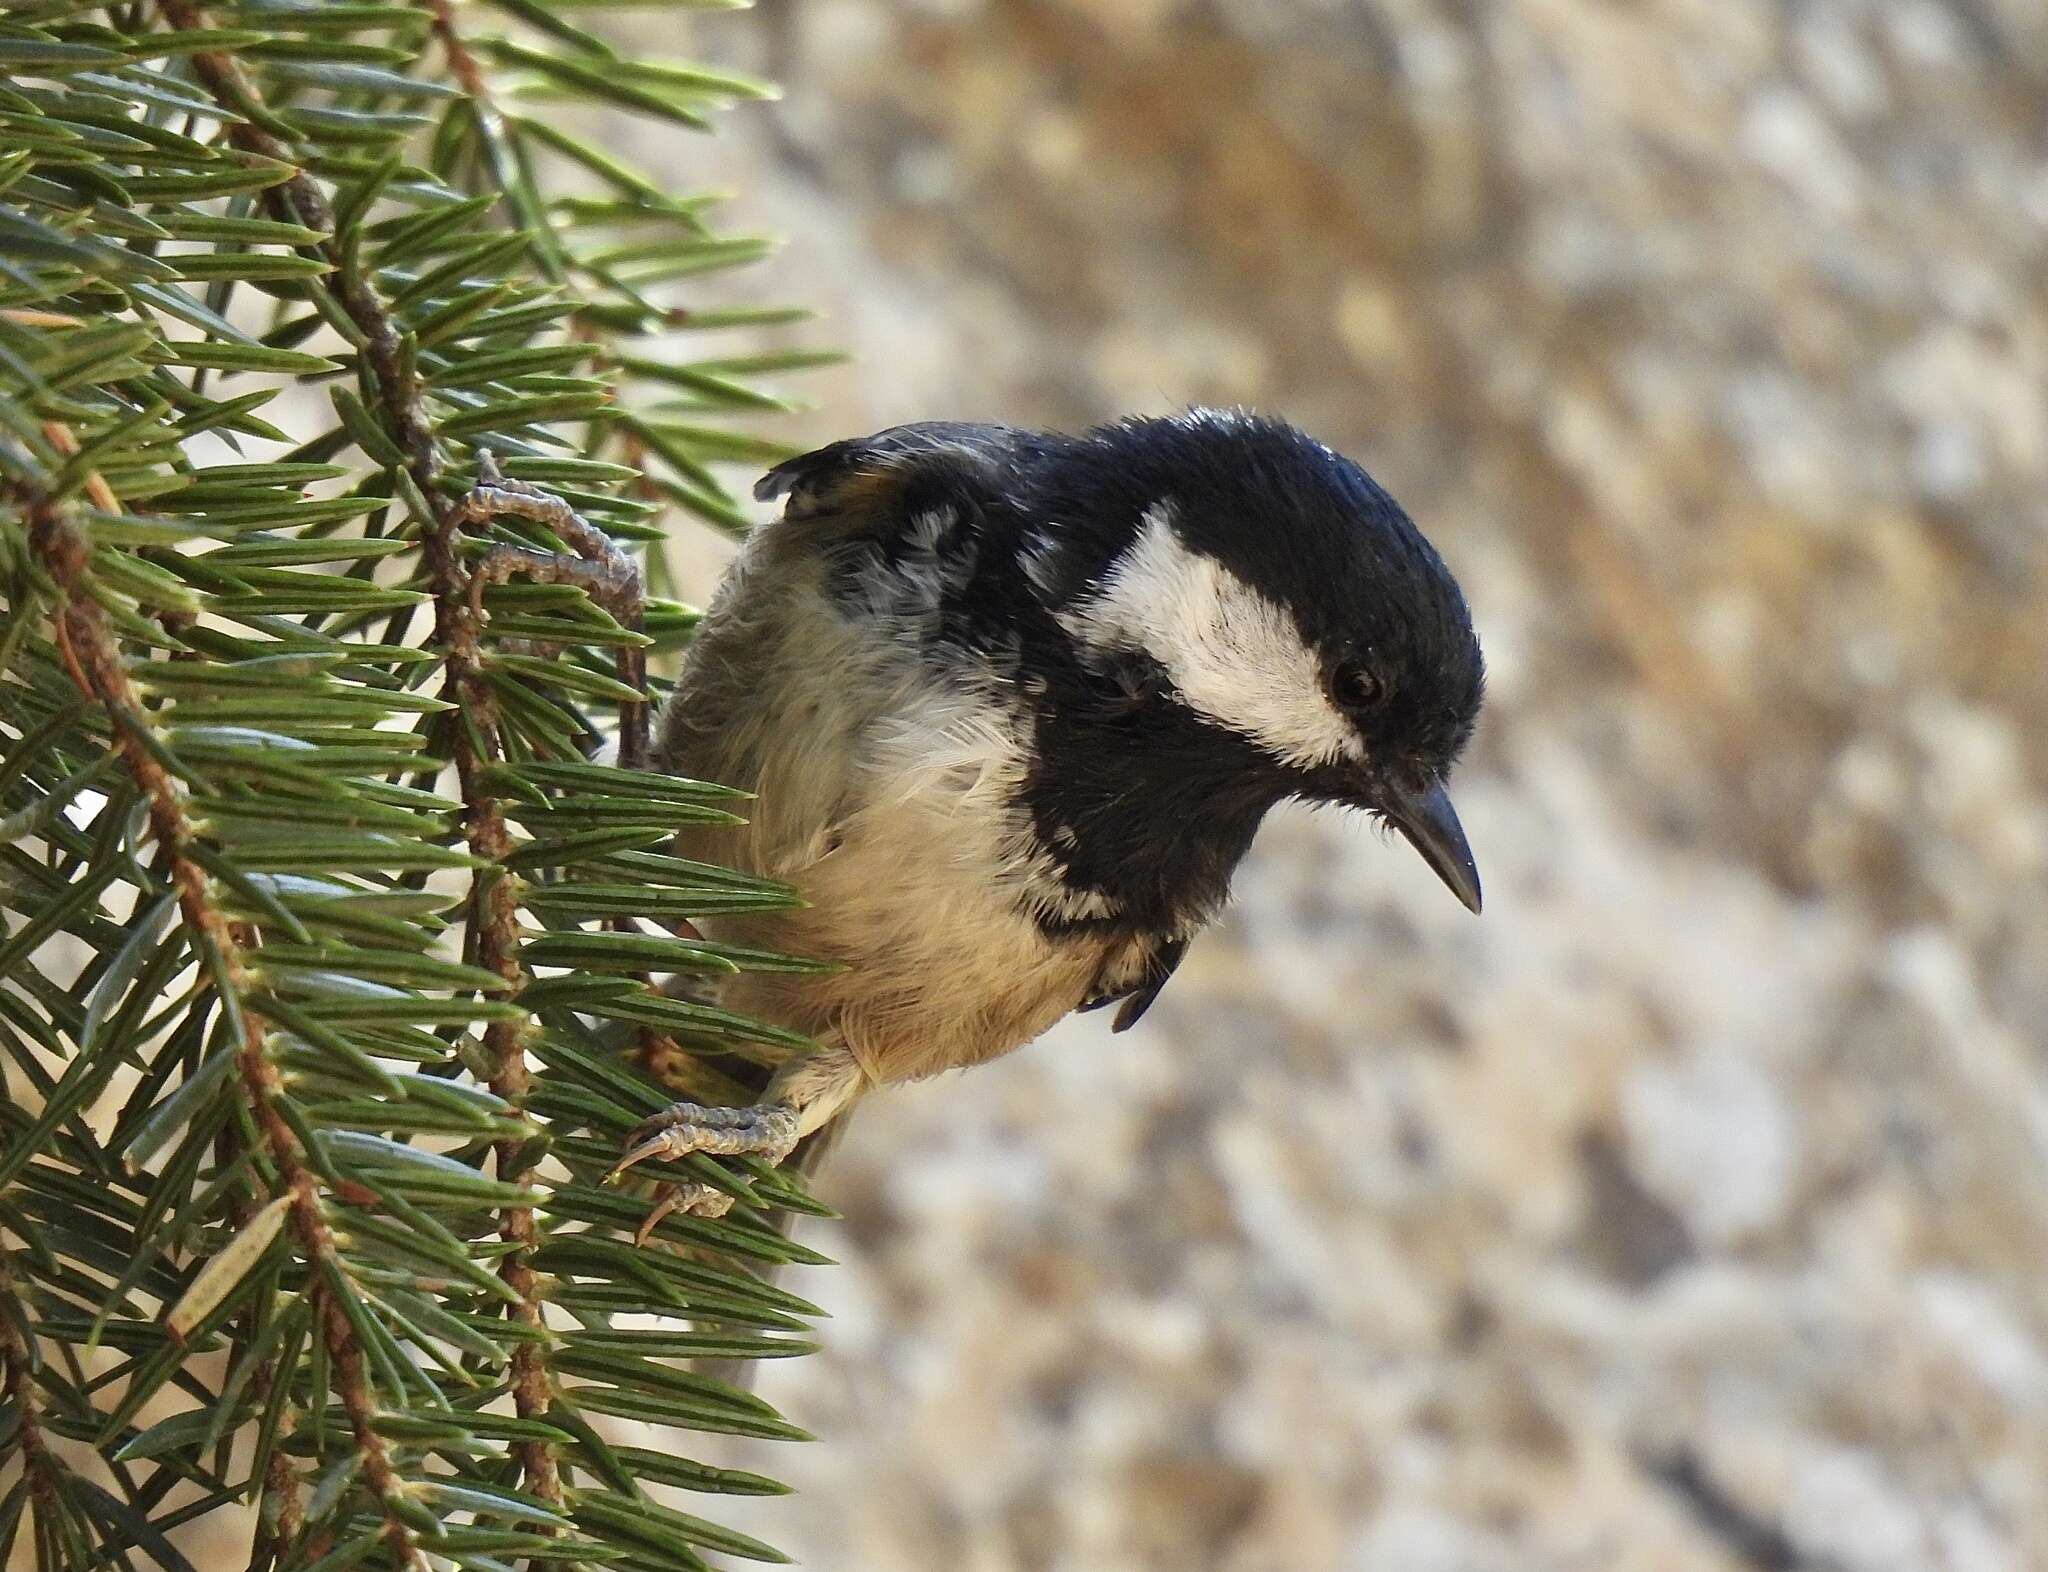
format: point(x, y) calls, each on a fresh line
point(1265, 622)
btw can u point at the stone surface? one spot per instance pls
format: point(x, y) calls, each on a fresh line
point(1687, 1212)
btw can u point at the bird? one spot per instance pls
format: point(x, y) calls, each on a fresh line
point(1013, 704)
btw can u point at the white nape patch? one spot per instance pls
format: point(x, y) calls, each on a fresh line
point(928, 528)
point(1201, 415)
point(1236, 656)
point(1038, 558)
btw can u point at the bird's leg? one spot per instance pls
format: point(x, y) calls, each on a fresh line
point(803, 1096)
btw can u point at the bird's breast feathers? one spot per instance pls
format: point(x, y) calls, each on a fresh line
point(894, 804)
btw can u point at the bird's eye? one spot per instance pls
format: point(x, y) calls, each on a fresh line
point(1357, 686)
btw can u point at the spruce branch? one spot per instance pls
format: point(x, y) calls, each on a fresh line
point(504, 159)
point(94, 661)
point(298, 200)
point(219, 899)
point(458, 618)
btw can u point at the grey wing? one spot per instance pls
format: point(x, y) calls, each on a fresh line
point(1134, 996)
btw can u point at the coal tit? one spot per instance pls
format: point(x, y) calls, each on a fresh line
point(1015, 703)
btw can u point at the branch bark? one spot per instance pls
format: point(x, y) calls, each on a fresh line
point(18, 1384)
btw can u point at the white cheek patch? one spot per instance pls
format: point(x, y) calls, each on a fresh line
point(1236, 656)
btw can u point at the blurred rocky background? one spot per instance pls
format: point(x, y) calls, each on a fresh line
point(1689, 1212)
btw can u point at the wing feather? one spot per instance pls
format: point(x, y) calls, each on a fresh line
point(871, 483)
point(1134, 997)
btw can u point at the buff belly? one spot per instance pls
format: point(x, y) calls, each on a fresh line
point(887, 786)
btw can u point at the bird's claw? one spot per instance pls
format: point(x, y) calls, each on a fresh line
point(765, 1130)
point(692, 1200)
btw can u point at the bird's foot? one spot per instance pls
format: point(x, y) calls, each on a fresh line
point(766, 1130)
point(757, 1130)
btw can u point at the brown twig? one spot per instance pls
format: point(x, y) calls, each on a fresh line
point(499, 142)
point(18, 1385)
point(461, 63)
point(93, 658)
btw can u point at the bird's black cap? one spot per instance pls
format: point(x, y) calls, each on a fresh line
point(1378, 629)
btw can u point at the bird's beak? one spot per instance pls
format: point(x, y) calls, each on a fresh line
point(1431, 825)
